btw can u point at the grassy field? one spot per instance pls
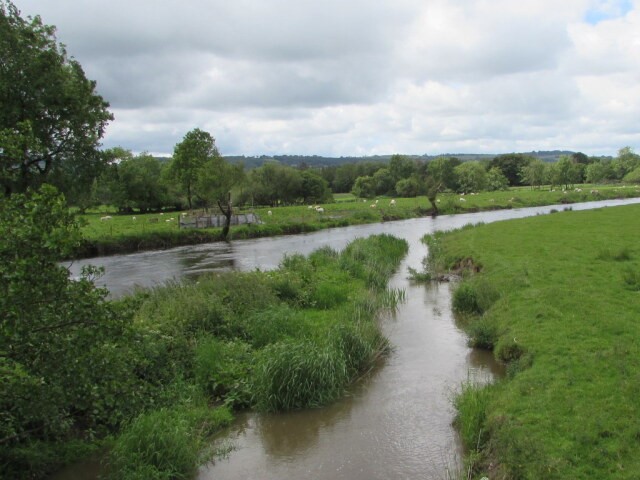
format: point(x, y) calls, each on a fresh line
point(125, 233)
point(557, 299)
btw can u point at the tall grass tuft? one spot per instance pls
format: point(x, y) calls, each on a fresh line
point(298, 374)
point(165, 444)
point(474, 296)
point(471, 414)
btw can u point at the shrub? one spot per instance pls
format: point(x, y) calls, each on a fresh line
point(222, 369)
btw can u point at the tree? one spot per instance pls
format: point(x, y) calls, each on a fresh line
point(472, 177)
point(364, 187)
point(189, 156)
point(511, 165)
point(599, 171)
point(140, 179)
point(384, 182)
point(534, 173)
point(565, 172)
point(56, 334)
point(215, 180)
point(442, 171)
point(52, 119)
point(496, 180)
point(401, 167)
point(315, 189)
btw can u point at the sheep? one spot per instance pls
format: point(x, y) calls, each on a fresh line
point(595, 192)
point(310, 207)
point(578, 189)
point(320, 210)
point(392, 202)
point(269, 213)
point(161, 213)
point(373, 205)
point(462, 199)
point(105, 218)
point(377, 202)
point(133, 218)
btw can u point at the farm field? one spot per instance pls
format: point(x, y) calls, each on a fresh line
point(133, 232)
point(557, 299)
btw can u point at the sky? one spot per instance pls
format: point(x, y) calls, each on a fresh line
point(360, 77)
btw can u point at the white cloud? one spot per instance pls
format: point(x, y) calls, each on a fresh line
point(361, 77)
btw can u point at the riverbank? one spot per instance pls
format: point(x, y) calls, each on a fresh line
point(132, 233)
point(556, 299)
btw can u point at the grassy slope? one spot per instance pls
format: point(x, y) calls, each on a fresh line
point(575, 412)
point(122, 233)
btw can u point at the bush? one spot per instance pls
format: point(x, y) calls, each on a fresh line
point(360, 344)
point(222, 369)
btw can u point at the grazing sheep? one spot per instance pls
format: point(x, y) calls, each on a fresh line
point(377, 202)
point(107, 217)
point(373, 205)
point(320, 210)
point(161, 213)
point(595, 192)
point(310, 207)
point(133, 218)
point(269, 213)
point(578, 189)
point(462, 199)
point(393, 202)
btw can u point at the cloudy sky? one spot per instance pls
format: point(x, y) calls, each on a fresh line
point(361, 77)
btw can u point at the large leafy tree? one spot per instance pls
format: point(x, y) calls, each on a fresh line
point(57, 335)
point(189, 156)
point(51, 118)
point(216, 178)
point(511, 164)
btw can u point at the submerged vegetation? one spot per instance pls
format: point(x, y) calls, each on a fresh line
point(556, 299)
point(159, 371)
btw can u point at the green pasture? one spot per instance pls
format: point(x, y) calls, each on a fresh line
point(130, 232)
point(558, 300)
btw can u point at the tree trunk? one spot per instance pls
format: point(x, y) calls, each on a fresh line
point(227, 215)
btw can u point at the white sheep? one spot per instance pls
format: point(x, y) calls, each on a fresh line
point(373, 205)
point(377, 202)
point(161, 213)
point(310, 207)
point(105, 218)
point(269, 213)
point(320, 210)
point(462, 199)
point(133, 218)
point(392, 202)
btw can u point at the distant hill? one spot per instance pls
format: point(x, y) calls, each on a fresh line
point(320, 161)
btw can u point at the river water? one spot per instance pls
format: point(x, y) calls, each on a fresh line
point(396, 422)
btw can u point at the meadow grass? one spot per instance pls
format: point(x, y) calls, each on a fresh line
point(126, 233)
point(565, 320)
point(291, 338)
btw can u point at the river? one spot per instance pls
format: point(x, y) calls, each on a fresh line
point(396, 422)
